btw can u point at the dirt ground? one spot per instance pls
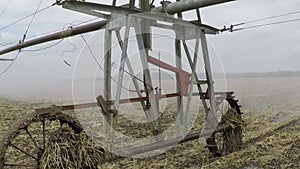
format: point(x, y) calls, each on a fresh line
point(271, 134)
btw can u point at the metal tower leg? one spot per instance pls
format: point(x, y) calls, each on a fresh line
point(180, 113)
point(107, 75)
point(120, 78)
point(122, 64)
point(130, 69)
point(211, 122)
point(195, 76)
point(153, 109)
point(194, 66)
point(131, 3)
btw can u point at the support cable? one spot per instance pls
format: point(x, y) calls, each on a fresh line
point(68, 51)
point(272, 17)
point(10, 65)
point(5, 7)
point(21, 19)
point(232, 28)
point(32, 18)
point(267, 24)
point(98, 63)
point(7, 44)
point(43, 48)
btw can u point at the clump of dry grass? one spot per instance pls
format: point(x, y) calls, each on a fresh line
point(232, 137)
point(66, 149)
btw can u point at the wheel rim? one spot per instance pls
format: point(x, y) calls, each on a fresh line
point(24, 145)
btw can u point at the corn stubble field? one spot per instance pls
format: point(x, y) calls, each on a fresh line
point(271, 130)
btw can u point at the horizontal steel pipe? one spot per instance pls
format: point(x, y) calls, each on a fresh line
point(186, 5)
point(133, 151)
point(57, 35)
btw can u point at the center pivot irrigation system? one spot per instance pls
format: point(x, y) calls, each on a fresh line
point(142, 19)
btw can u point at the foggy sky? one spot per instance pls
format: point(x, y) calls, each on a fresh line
point(271, 48)
point(264, 49)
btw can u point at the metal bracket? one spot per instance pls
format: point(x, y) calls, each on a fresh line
point(50, 110)
point(105, 106)
point(183, 75)
point(95, 8)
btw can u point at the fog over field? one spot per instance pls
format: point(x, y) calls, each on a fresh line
point(61, 89)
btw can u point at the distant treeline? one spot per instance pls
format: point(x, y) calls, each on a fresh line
point(171, 75)
point(264, 74)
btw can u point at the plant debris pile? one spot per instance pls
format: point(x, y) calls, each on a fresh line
point(65, 149)
point(233, 136)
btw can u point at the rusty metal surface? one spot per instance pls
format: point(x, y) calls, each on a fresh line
point(184, 77)
point(123, 101)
